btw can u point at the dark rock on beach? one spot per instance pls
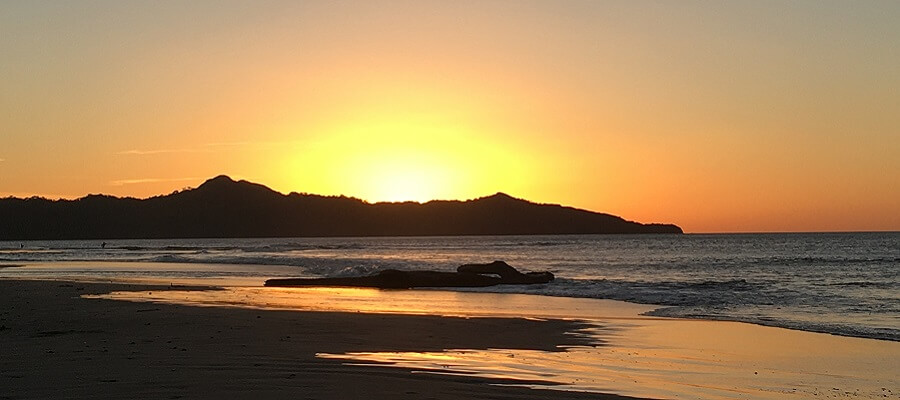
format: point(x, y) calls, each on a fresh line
point(468, 275)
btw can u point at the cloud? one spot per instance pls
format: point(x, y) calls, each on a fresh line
point(26, 195)
point(205, 148)
point(2, 159)
point(123, 182)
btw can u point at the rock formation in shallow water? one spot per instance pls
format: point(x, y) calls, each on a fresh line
point(507, 274)
point(468, 275)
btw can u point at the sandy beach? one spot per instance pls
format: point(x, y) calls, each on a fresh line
point(611, 346)
point(56, 344)
point(70, 339)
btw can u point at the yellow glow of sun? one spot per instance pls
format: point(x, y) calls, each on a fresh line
point(398, 177)
point(412, 158)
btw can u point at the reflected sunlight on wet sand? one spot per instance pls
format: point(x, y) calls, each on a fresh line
point(636, 355)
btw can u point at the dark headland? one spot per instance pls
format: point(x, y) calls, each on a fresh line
point(224, 208)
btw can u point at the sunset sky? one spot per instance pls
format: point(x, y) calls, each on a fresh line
point(716, 116)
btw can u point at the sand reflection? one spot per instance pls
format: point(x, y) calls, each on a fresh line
point(640, 356)
point(416, 302)
point(683, 359)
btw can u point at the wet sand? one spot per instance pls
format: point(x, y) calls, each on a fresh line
point(638, 356)
point(101, 340)
point(56, 344)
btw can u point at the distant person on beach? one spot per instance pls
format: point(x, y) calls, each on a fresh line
point(103, 245)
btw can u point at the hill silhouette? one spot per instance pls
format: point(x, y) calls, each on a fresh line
point(222, 207)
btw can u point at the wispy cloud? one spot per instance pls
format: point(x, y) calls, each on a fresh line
point(204, 148)
point(123, 182)
point(2, 159)
point(25, 195)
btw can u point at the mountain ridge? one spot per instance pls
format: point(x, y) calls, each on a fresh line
point(222, 207)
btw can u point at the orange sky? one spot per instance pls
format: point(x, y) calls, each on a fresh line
point(719, 117)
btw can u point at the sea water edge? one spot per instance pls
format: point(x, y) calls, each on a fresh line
point(839, 283)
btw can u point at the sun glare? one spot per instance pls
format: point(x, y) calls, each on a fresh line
point(404, 182)
point(407, 158)
point(405, 170)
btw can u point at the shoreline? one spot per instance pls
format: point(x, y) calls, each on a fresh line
point(572, 347)
point(58, 344)
point(650, 310)
point(840, 284)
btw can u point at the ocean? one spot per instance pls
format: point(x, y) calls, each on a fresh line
point(839, 283)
